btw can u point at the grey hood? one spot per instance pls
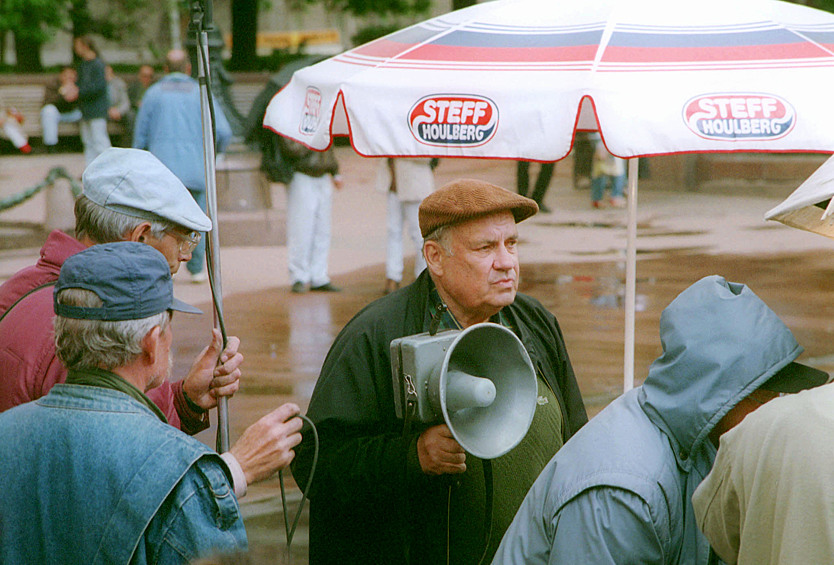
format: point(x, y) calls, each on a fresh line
point(720, 342)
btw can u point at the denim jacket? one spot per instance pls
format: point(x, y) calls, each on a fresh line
point(90, 475)
point(169, 125)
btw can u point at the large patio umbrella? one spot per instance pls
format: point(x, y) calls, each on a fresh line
point(514, 79)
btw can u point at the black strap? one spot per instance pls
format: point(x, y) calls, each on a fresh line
point(410, 403)
point(16, 302)
point(488, 506)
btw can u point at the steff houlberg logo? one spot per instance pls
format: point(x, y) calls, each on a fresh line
point(453, 120)
point(749, 116)
point(311, 114)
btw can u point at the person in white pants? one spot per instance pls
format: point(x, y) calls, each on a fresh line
point(309, 205)
point(60, 105)
point(407, 182)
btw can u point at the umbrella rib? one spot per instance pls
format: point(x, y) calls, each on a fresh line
point(811, 41)
point(603, 43)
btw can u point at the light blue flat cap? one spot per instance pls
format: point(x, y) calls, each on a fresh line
point(135, 183)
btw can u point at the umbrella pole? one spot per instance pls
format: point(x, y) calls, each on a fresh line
point(631, 276)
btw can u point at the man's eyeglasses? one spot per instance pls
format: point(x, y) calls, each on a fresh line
point(188, 241)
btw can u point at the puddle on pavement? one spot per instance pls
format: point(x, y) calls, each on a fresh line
point(607, 225)
point(662, 251)
point(668, 233)
point(765, 226)
point(644, 229)
point(17, 235)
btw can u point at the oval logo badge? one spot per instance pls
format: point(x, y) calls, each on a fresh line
point(748, 116)
point(453, 120)
point(311, 113)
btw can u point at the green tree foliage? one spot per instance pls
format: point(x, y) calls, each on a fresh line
point(827, 5)
point(34, 22)
point(369, 7)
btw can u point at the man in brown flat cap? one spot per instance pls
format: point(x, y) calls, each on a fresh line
point(382, 495)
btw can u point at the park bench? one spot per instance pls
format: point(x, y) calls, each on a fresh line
point(25, 92)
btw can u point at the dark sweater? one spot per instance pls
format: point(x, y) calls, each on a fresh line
point(92, 89)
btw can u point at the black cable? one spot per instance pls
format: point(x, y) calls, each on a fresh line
point(488, 510)
point(488, 506)
point(305, 490)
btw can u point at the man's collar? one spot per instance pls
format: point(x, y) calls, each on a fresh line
point(447, 320)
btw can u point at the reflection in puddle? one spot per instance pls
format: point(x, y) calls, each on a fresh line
point(663, 251)
point(607, 291)
point(607, 225)
point(310, 333)
point(665, 233)
point(618, 301)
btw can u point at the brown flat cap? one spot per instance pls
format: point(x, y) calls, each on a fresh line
point(465, 199)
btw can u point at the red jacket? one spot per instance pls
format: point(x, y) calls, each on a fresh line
point(28, 365)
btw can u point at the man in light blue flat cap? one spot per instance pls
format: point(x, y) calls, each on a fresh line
point(129, 195)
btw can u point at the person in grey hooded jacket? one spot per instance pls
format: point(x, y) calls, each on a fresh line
point(620, 490)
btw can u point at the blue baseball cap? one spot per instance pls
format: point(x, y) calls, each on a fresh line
point(132, 279)
point(136, 183)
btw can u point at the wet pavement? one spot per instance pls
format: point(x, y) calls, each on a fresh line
point(572, 260)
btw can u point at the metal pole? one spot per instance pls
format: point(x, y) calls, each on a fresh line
point(631, 276)
point(213, 241)
point(174, 16)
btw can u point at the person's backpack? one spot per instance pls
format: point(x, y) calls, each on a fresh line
point(274, 163)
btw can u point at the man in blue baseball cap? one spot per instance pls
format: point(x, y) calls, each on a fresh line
point(91, 472)
point(129, 195)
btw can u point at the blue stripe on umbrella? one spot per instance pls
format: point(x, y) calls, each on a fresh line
point(706, 40)
point(465, 38)
point(412, 35)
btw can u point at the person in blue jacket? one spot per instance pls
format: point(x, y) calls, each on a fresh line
point(619, 491)
point(169, 125)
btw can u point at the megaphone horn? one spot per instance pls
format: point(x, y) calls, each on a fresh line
point(480, 381)
point(467, 391)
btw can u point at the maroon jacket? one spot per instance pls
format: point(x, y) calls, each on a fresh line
point(28, 365)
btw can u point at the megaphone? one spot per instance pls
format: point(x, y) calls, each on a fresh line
point(480, 381)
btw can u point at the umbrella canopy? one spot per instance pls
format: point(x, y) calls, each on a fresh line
point(809, 206)
point(514, 79)
point(507, 79)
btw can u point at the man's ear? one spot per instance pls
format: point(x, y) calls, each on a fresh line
point(151, 345)
point(433, 253)
point(140, 233)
